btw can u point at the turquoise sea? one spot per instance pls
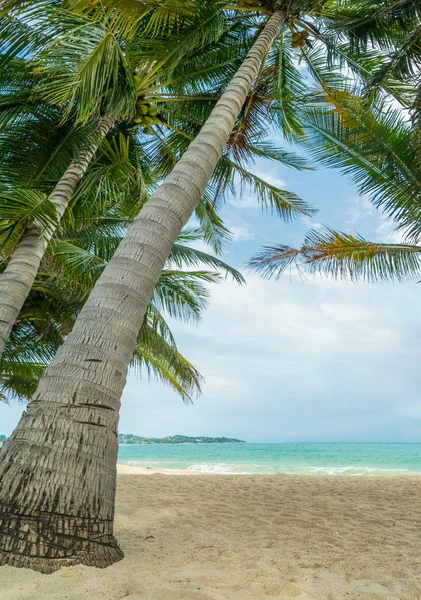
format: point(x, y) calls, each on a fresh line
point(309, 458)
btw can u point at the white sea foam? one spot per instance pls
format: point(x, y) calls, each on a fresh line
point(224, 468)
point(140, 463)
point(215, 468)
point(353, 471)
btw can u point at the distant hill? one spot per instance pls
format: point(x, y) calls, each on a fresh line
point(127, 438)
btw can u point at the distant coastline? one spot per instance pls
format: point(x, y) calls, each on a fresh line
point(127, 438)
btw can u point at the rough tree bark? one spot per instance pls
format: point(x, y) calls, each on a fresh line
point(58, 470)
point(17, 279)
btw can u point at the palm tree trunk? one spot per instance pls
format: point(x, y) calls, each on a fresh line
point(58, 470)
point(18, 277)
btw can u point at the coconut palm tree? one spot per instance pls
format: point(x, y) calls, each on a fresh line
point(77, 402)
point(101, 63)
point(90, 231)
point(98, 77)
point(98, 50)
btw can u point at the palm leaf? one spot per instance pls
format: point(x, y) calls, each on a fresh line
point(346, 256)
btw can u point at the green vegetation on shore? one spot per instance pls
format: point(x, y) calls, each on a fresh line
point(127, 438)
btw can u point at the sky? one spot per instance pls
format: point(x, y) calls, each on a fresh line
point(295, 359)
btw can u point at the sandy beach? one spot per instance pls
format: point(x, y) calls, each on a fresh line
point(243, 537)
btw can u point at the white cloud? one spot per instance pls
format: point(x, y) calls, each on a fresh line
point(387, 233)
point(215, 382)
point(240, 232)
point(271, 179)
point(308, 317)
point(243, 201)
point(359, 210)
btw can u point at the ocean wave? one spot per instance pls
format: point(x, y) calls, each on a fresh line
point(268, 469)
point(215, 468)
point(353, 470)
point(307, 470)
point(140, 463)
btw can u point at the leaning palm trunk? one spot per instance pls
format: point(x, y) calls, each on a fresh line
point(58, 470)
point(17, 279)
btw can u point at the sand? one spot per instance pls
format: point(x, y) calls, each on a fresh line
point(242, 537)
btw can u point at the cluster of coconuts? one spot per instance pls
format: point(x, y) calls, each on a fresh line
point(250, 2)
point(299, 38)
point(146, 115)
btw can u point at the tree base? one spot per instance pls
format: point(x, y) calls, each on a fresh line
point(48, 542)
point(96, 555)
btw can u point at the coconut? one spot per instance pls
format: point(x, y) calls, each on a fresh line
point(305, 34)
point(148, 131)
point(147, 121)
point(138, 120)
point(142, 109)
point(301, 43)
point(296, 36)
point(152, 111)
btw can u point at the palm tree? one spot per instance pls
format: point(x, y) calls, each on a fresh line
point(125, 289)
point(18, 277)
point(64, 448)
point(101, 61)
point(373, 142)
point(90, 231)
point(90, 82)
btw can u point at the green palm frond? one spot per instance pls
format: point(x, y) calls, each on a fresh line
point(214, 232)
point(208, 26)
point(177, 372)
point(389, 28)
point(93, 76)
point(19, 209)
point(289, 89)
point(342, 256)
point(182, 295)
point(378, 24)
point(346, 256)
point(183, 255)
point(159, 356)
point(285, 204)
point(339, 56)
point(405, 61)
point(19, 382)
point(267, 150)
point(272, 261)
point(374, 144)
point(37, 151)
